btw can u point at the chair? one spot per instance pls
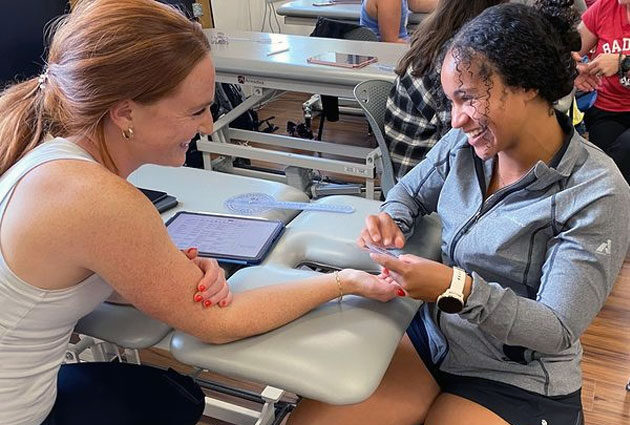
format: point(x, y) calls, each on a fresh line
point(372, 97)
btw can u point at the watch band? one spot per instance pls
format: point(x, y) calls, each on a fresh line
point(458, 281)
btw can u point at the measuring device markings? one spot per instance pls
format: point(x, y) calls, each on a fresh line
point(256, 203)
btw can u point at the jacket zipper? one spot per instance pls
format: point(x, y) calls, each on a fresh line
point(484, 208)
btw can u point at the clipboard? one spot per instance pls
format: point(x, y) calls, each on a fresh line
point(227, 238)
point(343, 60)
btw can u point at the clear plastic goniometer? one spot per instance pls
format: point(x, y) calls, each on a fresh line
point(258, 203)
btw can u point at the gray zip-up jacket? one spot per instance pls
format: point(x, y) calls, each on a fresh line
point(543, 252)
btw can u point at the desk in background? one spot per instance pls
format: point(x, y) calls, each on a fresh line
point(245, 59)
point(303, 12)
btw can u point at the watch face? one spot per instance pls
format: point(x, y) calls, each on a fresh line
point(450, 304)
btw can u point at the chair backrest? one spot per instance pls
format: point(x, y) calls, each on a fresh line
point(372, 97)
point(360, 33)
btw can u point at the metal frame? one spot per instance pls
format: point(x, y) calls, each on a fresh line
point(361, 162)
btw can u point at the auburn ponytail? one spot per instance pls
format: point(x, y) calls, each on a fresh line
point(23, 122)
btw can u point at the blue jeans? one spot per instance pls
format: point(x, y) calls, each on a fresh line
point(124, 394)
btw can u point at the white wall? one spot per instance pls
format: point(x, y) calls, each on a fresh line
point(236, 14)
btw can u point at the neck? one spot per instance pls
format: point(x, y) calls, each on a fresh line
point(541, 137)
point(118, 148)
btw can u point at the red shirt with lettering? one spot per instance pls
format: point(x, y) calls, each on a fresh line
point(608, 20)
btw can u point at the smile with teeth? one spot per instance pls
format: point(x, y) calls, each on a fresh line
point(475, 133)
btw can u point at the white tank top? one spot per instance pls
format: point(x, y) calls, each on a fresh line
point(36, 324)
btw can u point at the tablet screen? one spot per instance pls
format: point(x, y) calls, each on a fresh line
point(225, 237)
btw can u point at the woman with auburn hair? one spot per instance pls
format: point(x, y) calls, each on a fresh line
point(534, 233)
point(417, 113)
point(127, 83)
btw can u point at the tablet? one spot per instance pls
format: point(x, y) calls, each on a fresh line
point(228, 238)
point(344, 60)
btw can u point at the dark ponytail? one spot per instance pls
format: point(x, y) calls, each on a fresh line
point(530, 47)
point(564, 19)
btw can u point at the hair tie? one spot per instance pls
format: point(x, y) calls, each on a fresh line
point(43, 78)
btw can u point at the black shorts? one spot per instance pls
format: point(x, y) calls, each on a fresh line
point(513, 404)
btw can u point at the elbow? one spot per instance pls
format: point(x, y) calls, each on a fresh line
point(220, 333)
point(217, 339)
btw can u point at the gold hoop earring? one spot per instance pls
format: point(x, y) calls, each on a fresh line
point(128, 134)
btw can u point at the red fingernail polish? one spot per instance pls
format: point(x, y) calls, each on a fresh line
point(198, 298)
point(222, 303)
point(207, 303)
point(201, 288)
point(401, 293)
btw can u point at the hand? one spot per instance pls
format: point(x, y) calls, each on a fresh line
point(606, 64)
point(381, 230)
point(420, 278)
point(358, 282)
point(212, 289)
point(584, 81)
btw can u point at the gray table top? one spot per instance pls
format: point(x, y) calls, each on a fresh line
point(335, 353)
point(204, 190)
point(342, 11)
point(246, 59)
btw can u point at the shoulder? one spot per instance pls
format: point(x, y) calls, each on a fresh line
point(596, 180)
point(81, 195)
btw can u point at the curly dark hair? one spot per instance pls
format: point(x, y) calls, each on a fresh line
point(530, 47)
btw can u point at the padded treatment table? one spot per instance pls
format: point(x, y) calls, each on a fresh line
point(304, 12)
point(330, 239)
point(196, 190)
point(336, 353)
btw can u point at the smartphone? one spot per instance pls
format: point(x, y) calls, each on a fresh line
point(344, 60)
point(154, 196)
point(381, 251)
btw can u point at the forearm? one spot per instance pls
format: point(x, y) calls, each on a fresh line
point(388, 16)
point(422, 6)
point(260, 310)
point(515, 320)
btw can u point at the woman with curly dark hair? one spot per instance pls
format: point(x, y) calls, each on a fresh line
point(534, 234)
point(417, 113)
